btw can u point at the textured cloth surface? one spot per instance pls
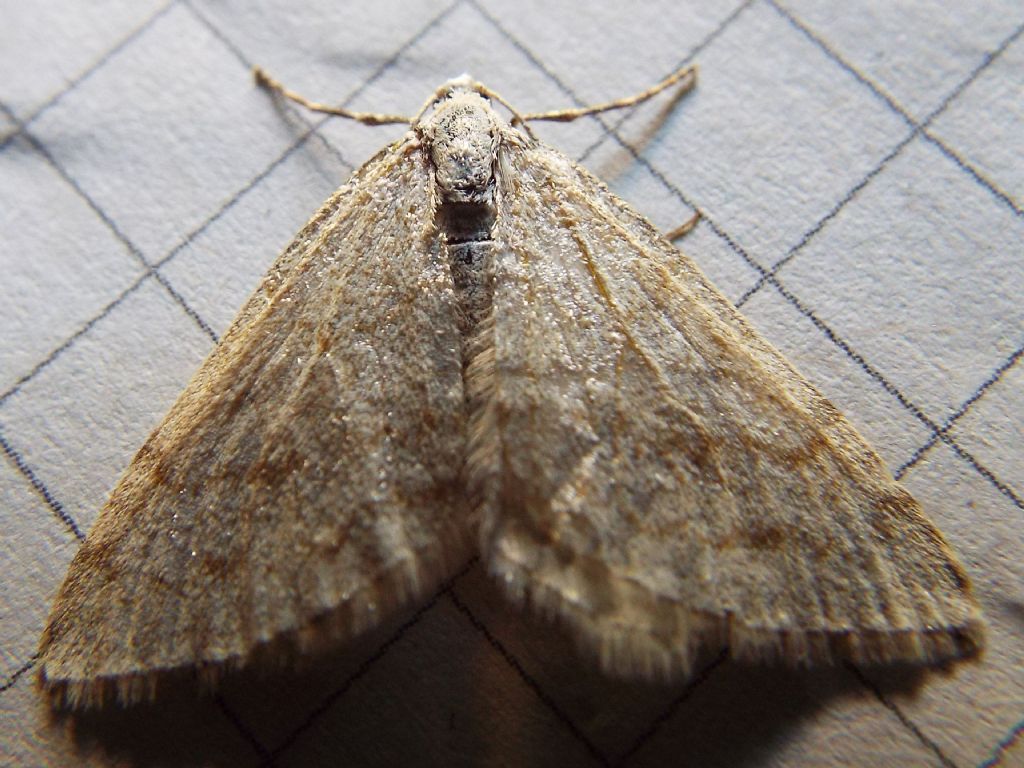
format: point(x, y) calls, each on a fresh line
point(861, 176)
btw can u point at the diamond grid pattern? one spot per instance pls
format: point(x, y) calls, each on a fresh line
point(456, 653)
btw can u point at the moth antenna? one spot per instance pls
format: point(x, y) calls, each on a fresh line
point(517, 119)
point(685, 228)
point(687, 75)
point(368, 118)
point(442, 92)
point(472, 85)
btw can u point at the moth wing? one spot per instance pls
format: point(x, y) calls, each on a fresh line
point(306, 481)
point(660, 477)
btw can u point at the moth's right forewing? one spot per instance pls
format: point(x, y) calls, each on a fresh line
point(664, 480)
point(307, 480)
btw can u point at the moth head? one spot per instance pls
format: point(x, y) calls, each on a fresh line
point(462, 135)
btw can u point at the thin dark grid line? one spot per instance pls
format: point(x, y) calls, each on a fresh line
point(69, 342)
point(832, 336)
point(203, 325)
point(529, 54)
point(532, 684)
point(608, 131)
point(373, 77)
point(165, 259)
point(574, 97)
point(382, 650)
point(20, 672)
point(975, 174)
point(258, 747)
point(791, 298)
point(987, 60)
point(106, 219)
point(974, 74)
point(810, 234)
point(708, 39)
point(711, 37)
point(85, 74)
point(879, 92)
point(984, 471)
point(239, 195)
point(259, 177)
point(909, 724)
point(151, 271)
point(999, 751)
point(40, 487)
point(918, 130)
point(978, 393)
point(216, 31)
point(312, 130)
point(312, 126)
point(658, 722)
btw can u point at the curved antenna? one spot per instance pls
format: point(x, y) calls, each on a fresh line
point(687, 74)
point(369, 118)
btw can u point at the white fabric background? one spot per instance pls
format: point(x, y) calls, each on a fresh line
point(862, 179)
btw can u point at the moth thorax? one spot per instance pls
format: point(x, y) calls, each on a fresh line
point(463, 136)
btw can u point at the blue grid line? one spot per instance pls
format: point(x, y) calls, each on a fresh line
point(978, 393)
point(246, 733)
point(907, 723)
point(302, 115)
point(879, 92)
point(84, 75)
point(20, 672)
point(382, 650)
point(744, 5)
point(708, 39)
point(823, 222)
point(541, 694)
point(186, 241)
point(152, 269)
point(39, 147)
point(1001, 749)
point(58, 509)
point(666, 714)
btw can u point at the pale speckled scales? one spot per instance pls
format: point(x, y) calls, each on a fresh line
point(589, 414)
point(671, 479)
point(322, 501)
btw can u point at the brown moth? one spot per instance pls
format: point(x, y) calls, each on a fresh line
point(474, 348)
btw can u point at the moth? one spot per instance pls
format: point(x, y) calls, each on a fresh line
point(475, 349)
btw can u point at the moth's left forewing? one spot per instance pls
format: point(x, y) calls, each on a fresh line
point(306, 483)
point(662, 477)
